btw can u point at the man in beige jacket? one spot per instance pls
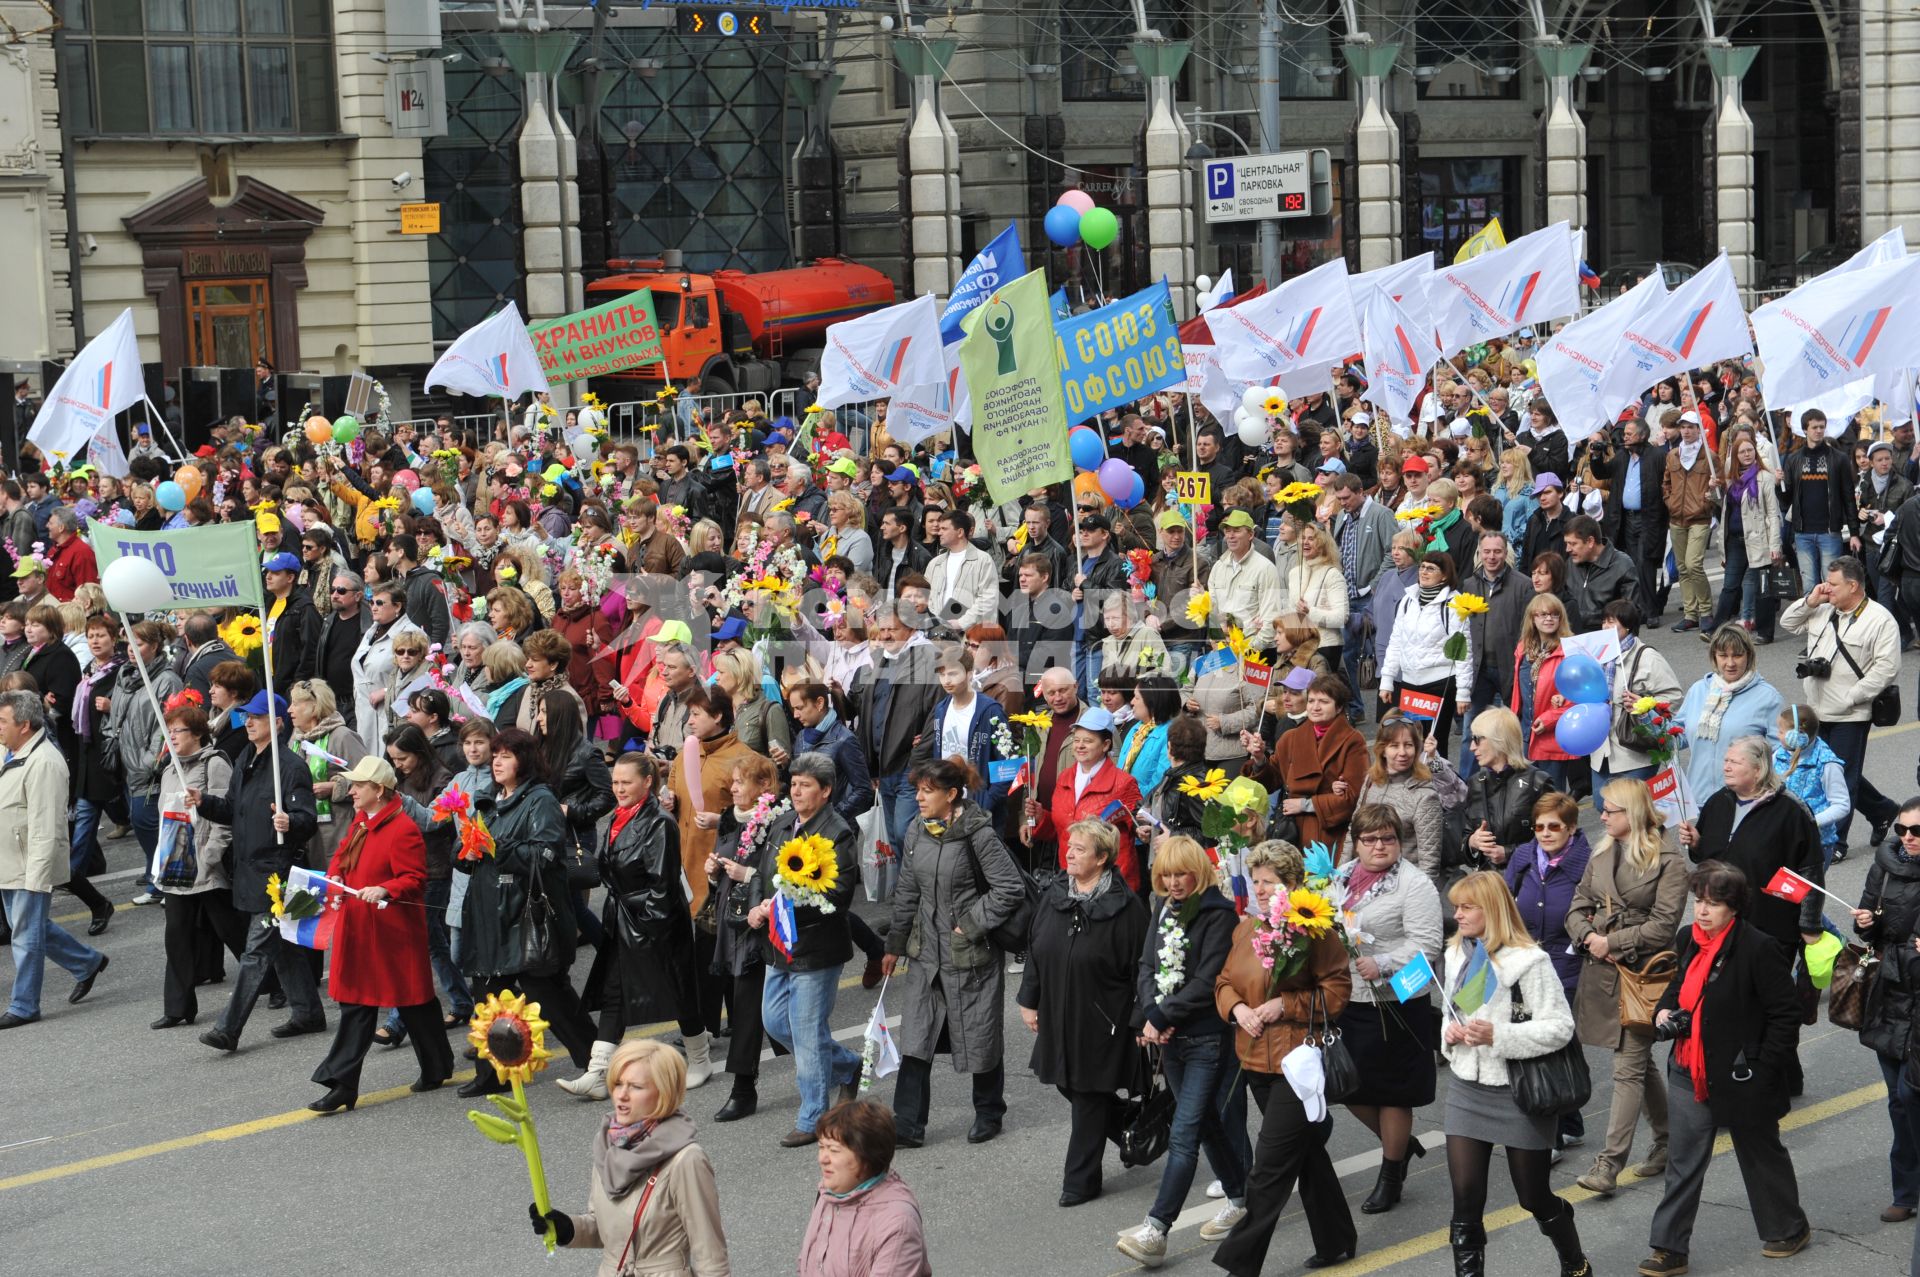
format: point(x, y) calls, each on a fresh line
point(33, 857)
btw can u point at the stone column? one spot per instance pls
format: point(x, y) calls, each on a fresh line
point(929, 172)
point(817, 200)
point(1733, 162)
point(549, 177)
point(1376, 152)
point(1889, 117)
point(1163, 143)
point(1563, 136)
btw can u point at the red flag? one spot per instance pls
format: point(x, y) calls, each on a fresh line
point(1788, 885)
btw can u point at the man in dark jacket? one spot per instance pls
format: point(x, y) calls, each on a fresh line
point(893, 703)
point(1134, 449)
point(1039, 619)
point(426, 592)
point(267, 838)
point(291, 620)
point(1037, 522)
point(1100, 572)
point(1635, 514)
point(1547, 529)
point(1597, 573)
point(205, 649)
point(1494, 633)
point(338, 638)
point(803, 968)
point(895, 553)
point(1881, 494)
point(822, 732)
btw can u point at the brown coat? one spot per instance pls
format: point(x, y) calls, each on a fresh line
point(1309, 767)
point(1689, 493)
point(718, 757)
point(1639, 913)
point(659, 555)
point(1243, 979)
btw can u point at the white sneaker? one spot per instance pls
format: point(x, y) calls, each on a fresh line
point(1016, 963)
point(1222, 1223)
point(1146, 1245)
point(1216, 1190)
point(148, 897)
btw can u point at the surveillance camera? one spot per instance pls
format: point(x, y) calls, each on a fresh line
point(402, 180)
point(89, 245)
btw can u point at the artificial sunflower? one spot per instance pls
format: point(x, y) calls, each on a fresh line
point(1237, 643)
point(1040, 720)
point(509, 1034)
point(1310, 911)
point(1206, 790)
point(243, 634)
point(1199, 608)
point(1466, 605)
point(1418, 513)
point(276, 905)
point(1274, 404)
point(779, 506)
point(1298, 492)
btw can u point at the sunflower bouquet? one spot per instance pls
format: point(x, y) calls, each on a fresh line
point(282, 907)
point(244, 634)
point(806, 870)
point(1284, 934)
point(1465, 608)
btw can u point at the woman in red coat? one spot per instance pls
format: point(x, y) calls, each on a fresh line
point(1089, 790)
point(380, 939)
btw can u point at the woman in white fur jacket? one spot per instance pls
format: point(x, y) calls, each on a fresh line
point(1490, 960)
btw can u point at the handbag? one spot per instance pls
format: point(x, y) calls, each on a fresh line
point(1780, 581)
point(1551, 1084)
point(1342, 1075)
point(539, 943)
point(1853, 975)
point(1641, 991)
point(1012, 935)
point(1146, 1119)
point(1886, 706)
point(1628, 731)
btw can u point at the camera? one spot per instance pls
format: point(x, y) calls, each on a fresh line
point(1813, 667)
point(1677, 1026)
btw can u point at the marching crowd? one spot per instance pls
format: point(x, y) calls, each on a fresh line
point(1178, 779)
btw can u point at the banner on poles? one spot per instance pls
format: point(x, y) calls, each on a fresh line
point(998, 264)
point(1013, 380)
point(592, 343)
point(216, 565)
point(1119, 353)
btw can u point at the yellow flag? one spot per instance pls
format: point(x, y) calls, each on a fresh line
point(1484, 240)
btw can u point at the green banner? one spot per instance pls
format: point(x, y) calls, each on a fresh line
point(213, 566)
point(1012, 367)
point(592, 343)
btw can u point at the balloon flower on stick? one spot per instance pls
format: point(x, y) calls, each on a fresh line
point(511, 1037)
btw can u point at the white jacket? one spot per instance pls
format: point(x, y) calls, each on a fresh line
point(966, 588)
point(1415, 655)
point(1652, 675)
point(1549, 1029)
point(1872, 638)
point(1325, 592)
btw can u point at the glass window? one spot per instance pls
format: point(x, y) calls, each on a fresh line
point(172, 86)
point(313, 75)
point(77, 66)
point(166, 15)
point(117, 17)
point(270, 87)
point(222, 88)
point(1096, 58)
point(310, 17)
point(1463, 44)
point(1458, 197)
point(124, 66)
point(216, 17)
point(266, 17)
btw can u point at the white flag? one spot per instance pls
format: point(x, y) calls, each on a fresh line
point(102, 381)
point(920, 412)
point(1400, 351)
point(493, 359)
point(1838, 329)
point(1306, 323)
point(1575, 363)
point(1405, 282)
point(1222, 291)
point(1698, 323)
point(874, 356)
point(880, 1057)
point(1531, 280)
point(1892, 389)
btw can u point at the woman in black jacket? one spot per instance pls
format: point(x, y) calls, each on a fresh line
point(95, 766)
point(1734, 1019)
point(1759, 829)
point(1077, 997)
point(585, 790)
point(745, 827)
point(650, 930)
point(1502, 790)
point(1888, 919)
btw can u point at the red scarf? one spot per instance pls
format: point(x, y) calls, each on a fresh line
point(621, 815)
point(1692, 1052)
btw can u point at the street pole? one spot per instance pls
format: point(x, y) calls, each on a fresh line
point(1270, 129)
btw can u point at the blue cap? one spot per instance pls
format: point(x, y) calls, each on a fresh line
point(730, 630)
point(280, 562)
point(1094, 719)
point(259, 706)
point(1332, 465)
point(902, 475)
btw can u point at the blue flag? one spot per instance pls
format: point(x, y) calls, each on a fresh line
point(1409, 981)
point(1478, 981)
point(1119, 353)
point(1062, 308)
point(1000, 262)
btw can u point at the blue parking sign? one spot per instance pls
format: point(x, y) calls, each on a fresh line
point(1220, 180)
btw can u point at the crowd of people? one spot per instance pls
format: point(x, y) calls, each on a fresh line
point(686, 700)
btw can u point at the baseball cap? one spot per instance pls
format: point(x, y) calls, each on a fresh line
point(1547, 480)
point(262, 704)
point(1879, 445)
point(1526, 334)
point(373, 769)
point(1417, 463)
point(1238, 519)
point(1332, 465)
point(1095, 523)
point(267, 521)
point(1360, 419)
point(26, 568)
point(845, 466)
point(1170, 519)
point(1298, 679)
point(1691, 418)
point(730, 630)
point(900, 474)
point(1094, 719)
point(280, 562)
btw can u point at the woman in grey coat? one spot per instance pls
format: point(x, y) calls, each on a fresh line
point(957, 883)
point(141, 737)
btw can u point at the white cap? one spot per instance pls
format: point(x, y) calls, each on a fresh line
point(1360, 419)
point(1689, 418)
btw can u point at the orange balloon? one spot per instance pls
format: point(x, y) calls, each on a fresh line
point(190, 480)
point(1087, 483)
point(319, 430)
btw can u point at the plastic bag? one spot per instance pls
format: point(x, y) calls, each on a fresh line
point(879, 862)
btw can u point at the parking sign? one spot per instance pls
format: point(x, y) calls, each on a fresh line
point(1248, 188)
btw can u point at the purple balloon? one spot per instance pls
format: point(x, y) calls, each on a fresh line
point(1582, 729)
point(1116, 478)
point(1136, 495)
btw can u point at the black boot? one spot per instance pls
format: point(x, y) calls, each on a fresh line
point(1469, 1242)
point(1566, 1242)
point(742, 1103)
point(1386, 1189)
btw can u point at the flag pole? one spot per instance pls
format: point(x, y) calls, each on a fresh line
point(273, 739)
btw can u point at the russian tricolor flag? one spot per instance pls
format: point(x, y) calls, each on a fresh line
point(783, 929)
point(315, 932)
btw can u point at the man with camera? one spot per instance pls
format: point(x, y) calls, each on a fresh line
point(1851, 659)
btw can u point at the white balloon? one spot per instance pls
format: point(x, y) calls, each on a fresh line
point(1202, 284)
point(134, 584)
point(1254, 398)
point(1255, 433)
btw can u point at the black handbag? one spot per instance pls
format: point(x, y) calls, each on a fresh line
point(1781, 581)
point(540, 952)
point(1628, 731)
point(1551, 1084)
point(1146, 1119)
point(1341, 1074)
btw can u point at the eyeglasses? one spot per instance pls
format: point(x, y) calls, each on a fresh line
point(1379, 840)
point(1548, 827)
point(1475, 739)
point(1621, 811)
point(1905, 831)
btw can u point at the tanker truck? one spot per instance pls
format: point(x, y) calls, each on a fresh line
point(734, 330)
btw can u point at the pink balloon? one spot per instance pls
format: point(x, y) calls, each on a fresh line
point(408, 480)
point(1077, 200)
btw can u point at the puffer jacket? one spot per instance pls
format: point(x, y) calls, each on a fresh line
point(136, 731)
point(1892, 893)
point(870, 1232)
point(1550, 1023)
point(1420, 631)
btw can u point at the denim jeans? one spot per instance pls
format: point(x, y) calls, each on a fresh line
point(897, 805)
point(440, 954)
point(1602, 774)
point(86, 833)
point(1816, 552)
point(143, 813)
point(795, 1008)
point(36, 937)
point(1200, 1069)
point(1903, 1111)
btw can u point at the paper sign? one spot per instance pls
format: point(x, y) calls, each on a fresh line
point(1218, 659)
point(1193, 487)
point(1004, 770)
point(1423, 705)
point(1259, 675)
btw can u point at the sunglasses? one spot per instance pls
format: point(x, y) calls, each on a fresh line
point(338, 590)
point(1548, 827)
point(1905, 831)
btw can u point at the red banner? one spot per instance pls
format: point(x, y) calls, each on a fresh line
point(1663, 785)
point(1419, 704)
point(1259, 675)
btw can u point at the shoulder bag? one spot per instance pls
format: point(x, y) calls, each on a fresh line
point(1013, 935)
point(1146, 1118)
point(1341, 1074)
point(1551, 1084)
point(1628, 731)
point(1853, 974)
point(1886, 706)
point(539, 942)
point(1640, 991)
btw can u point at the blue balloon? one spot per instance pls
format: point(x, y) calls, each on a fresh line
point(1088, 451)
point(1582, 729)
point(170, 496)
point(1062, 225)
point(423, 500)
point(1581, 680)
point(1136, 496)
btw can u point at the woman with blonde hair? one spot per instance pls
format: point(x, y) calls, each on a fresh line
point(1626, 908)
point(1536, 701)
point(760, 724)
point(530, 576)
point(652, 1204)
point(1503, 1003)
point(846, 532)
point(706, 537)
point(509, 612)
point(1444, 533)
point(1514, 491)
point(1317, 590)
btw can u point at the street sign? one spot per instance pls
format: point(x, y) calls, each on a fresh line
point(419, 219)
point(417, 98)
point(1251, 188)
point(746, 23)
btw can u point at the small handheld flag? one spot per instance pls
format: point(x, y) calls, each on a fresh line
point(880, 1057)
point(1478, 982)
point(1788, 886)
point(1411, 980)
point(783, 929)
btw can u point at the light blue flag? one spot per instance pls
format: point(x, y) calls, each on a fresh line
point(1119, 353)
point(1062, 308)
point(1411, 980)
point(1000, 262)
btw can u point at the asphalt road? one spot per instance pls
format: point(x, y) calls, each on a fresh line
point(122, 1148)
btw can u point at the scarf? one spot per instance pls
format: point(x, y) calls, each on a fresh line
point(1692, 1052)
point(1747, 486)
point(1689, 453)
point(1719, 699)
point(1098, 889)
point(83, 695)
point(1428, 593)
point(498, 696)
point(621, 816)
point(627, 1155)
point(537, 693)
point(1136, 743)
point(1361, 881)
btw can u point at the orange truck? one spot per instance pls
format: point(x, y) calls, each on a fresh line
point(737, 331)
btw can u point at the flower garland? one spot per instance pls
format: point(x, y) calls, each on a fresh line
point(806, 870)
point(766, 809)
point(1170, 970)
